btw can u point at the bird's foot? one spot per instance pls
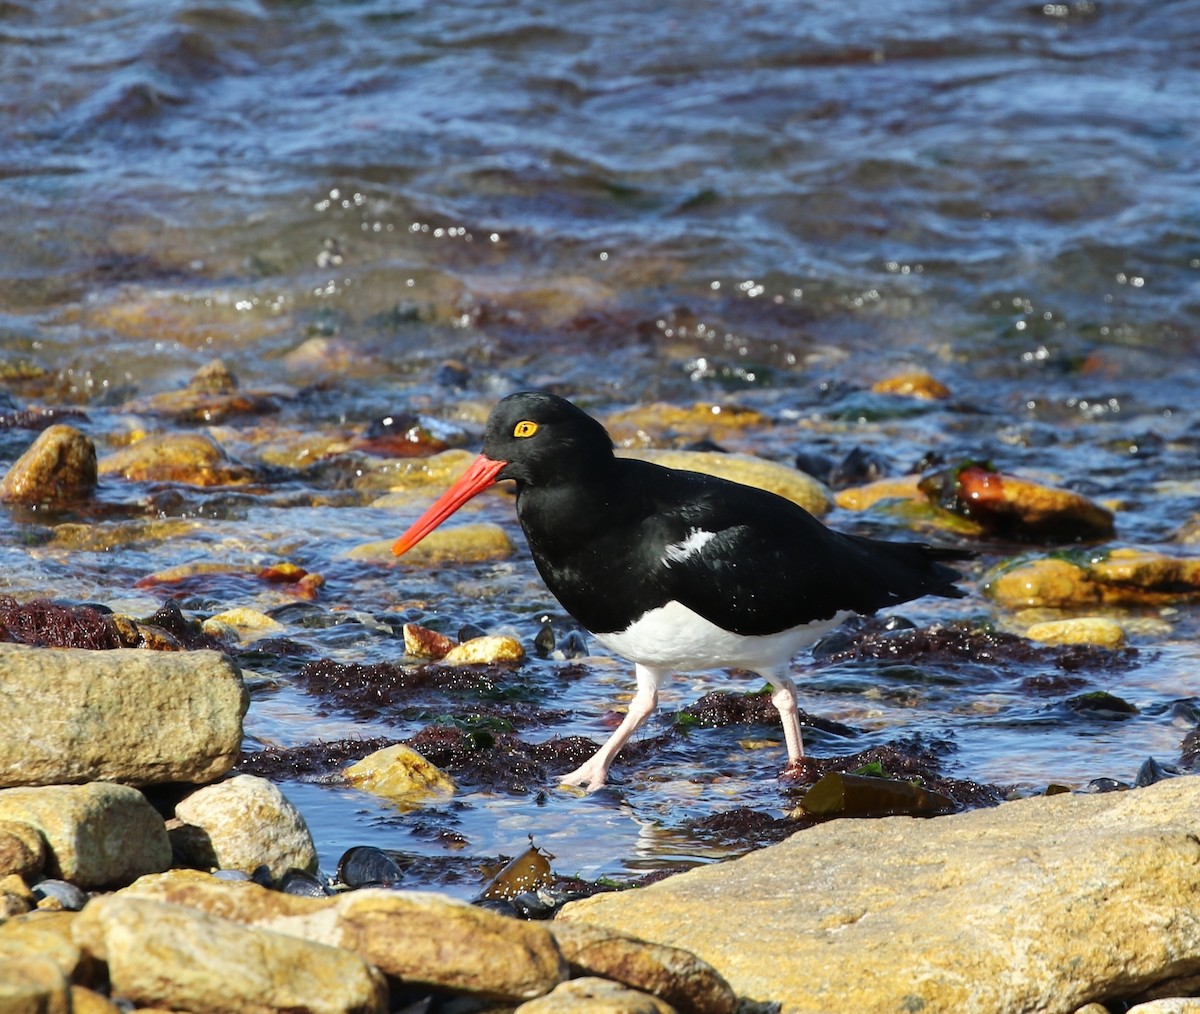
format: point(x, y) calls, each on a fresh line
point(589, 776)
point(802, 771)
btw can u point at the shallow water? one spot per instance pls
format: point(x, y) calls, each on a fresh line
point(766, 204)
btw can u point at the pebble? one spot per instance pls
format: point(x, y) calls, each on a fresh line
point(1097, 630)
point(58, 467)
point(400, 774)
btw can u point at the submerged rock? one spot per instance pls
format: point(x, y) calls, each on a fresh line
point(1017, 507)
point(912, 384)
point(787, 482)
point(58, 467)
point(1098, 630)
point(401, 775)
point(192, 458)
point(469, 543)
point(1125, 576)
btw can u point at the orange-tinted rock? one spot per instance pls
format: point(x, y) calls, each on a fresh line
point(663, 424)
point(192, 458)
point(59, 466)
point(912, 384)
point(421, 642)
point(1124, 576)
point(1017, 507)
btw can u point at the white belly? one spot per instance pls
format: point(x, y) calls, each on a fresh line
point(675, 637)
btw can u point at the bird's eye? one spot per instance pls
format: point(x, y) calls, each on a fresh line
point(525, 428)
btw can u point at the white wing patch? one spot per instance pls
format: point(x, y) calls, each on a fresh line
point(696, 540)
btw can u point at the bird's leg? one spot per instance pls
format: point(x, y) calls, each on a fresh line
point(784, 699)
point(593, 772)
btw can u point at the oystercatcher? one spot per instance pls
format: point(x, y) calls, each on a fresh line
point(676, 570)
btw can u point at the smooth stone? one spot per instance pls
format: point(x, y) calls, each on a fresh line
point(242, 823)
point(33, 985)
point(96, 834)
point(1167, 1005)
point(164, 955)
point(1025, 906)
point(192, 458)
point(399, 477)
point(124, 715)
point(22, 849)
point(59, 466)
point(425, 939)
point(789, 483)
point(1098, 630)
point(675, 976)
point(591, 995)
point(1025, 507)
point(912, 384)
point(399, 773)
point(861, 498)
point(485, 651)
point(1123, 576)
point(249, 623)
point(470, 543)
point(644, 425)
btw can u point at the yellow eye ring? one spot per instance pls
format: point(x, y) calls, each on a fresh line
point(525, 428)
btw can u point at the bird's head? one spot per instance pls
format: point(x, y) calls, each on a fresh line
point(533, 438)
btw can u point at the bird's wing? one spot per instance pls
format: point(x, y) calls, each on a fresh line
point(759, 564)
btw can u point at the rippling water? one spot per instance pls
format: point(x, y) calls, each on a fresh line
point(774, 203)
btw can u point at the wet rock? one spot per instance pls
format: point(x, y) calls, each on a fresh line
point(104, 537)
point(192, 458)
point(485, 650)
point(174, 957)
point(242, 823)
point(591, 995)
point(124, 715)
point(912, 384)
point(421, 642)
point(1016, 507)
point(861, 498)
point(366, 866)
point(947, 896)
point(839, 794)
point(1123, 576)
point(247, 624)
point(96, 835)
point(1101, 704)
point(669, 973)
point(661, 422)
point(748, 470)
point(401, 775)
point(403, 477)
point(470, 543)
point(426, 940)
point(22, 850)
point(1098, 630)
point(59, 467)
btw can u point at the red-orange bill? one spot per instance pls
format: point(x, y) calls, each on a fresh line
point(475, 479)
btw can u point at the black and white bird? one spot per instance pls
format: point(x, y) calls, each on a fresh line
point(676, 570)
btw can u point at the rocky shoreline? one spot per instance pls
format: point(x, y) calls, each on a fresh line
point(1044, 904)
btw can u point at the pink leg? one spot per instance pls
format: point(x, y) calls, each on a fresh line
point(784, 699)
point(593, 772)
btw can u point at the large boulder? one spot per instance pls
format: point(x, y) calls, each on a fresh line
point(1042, 904)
